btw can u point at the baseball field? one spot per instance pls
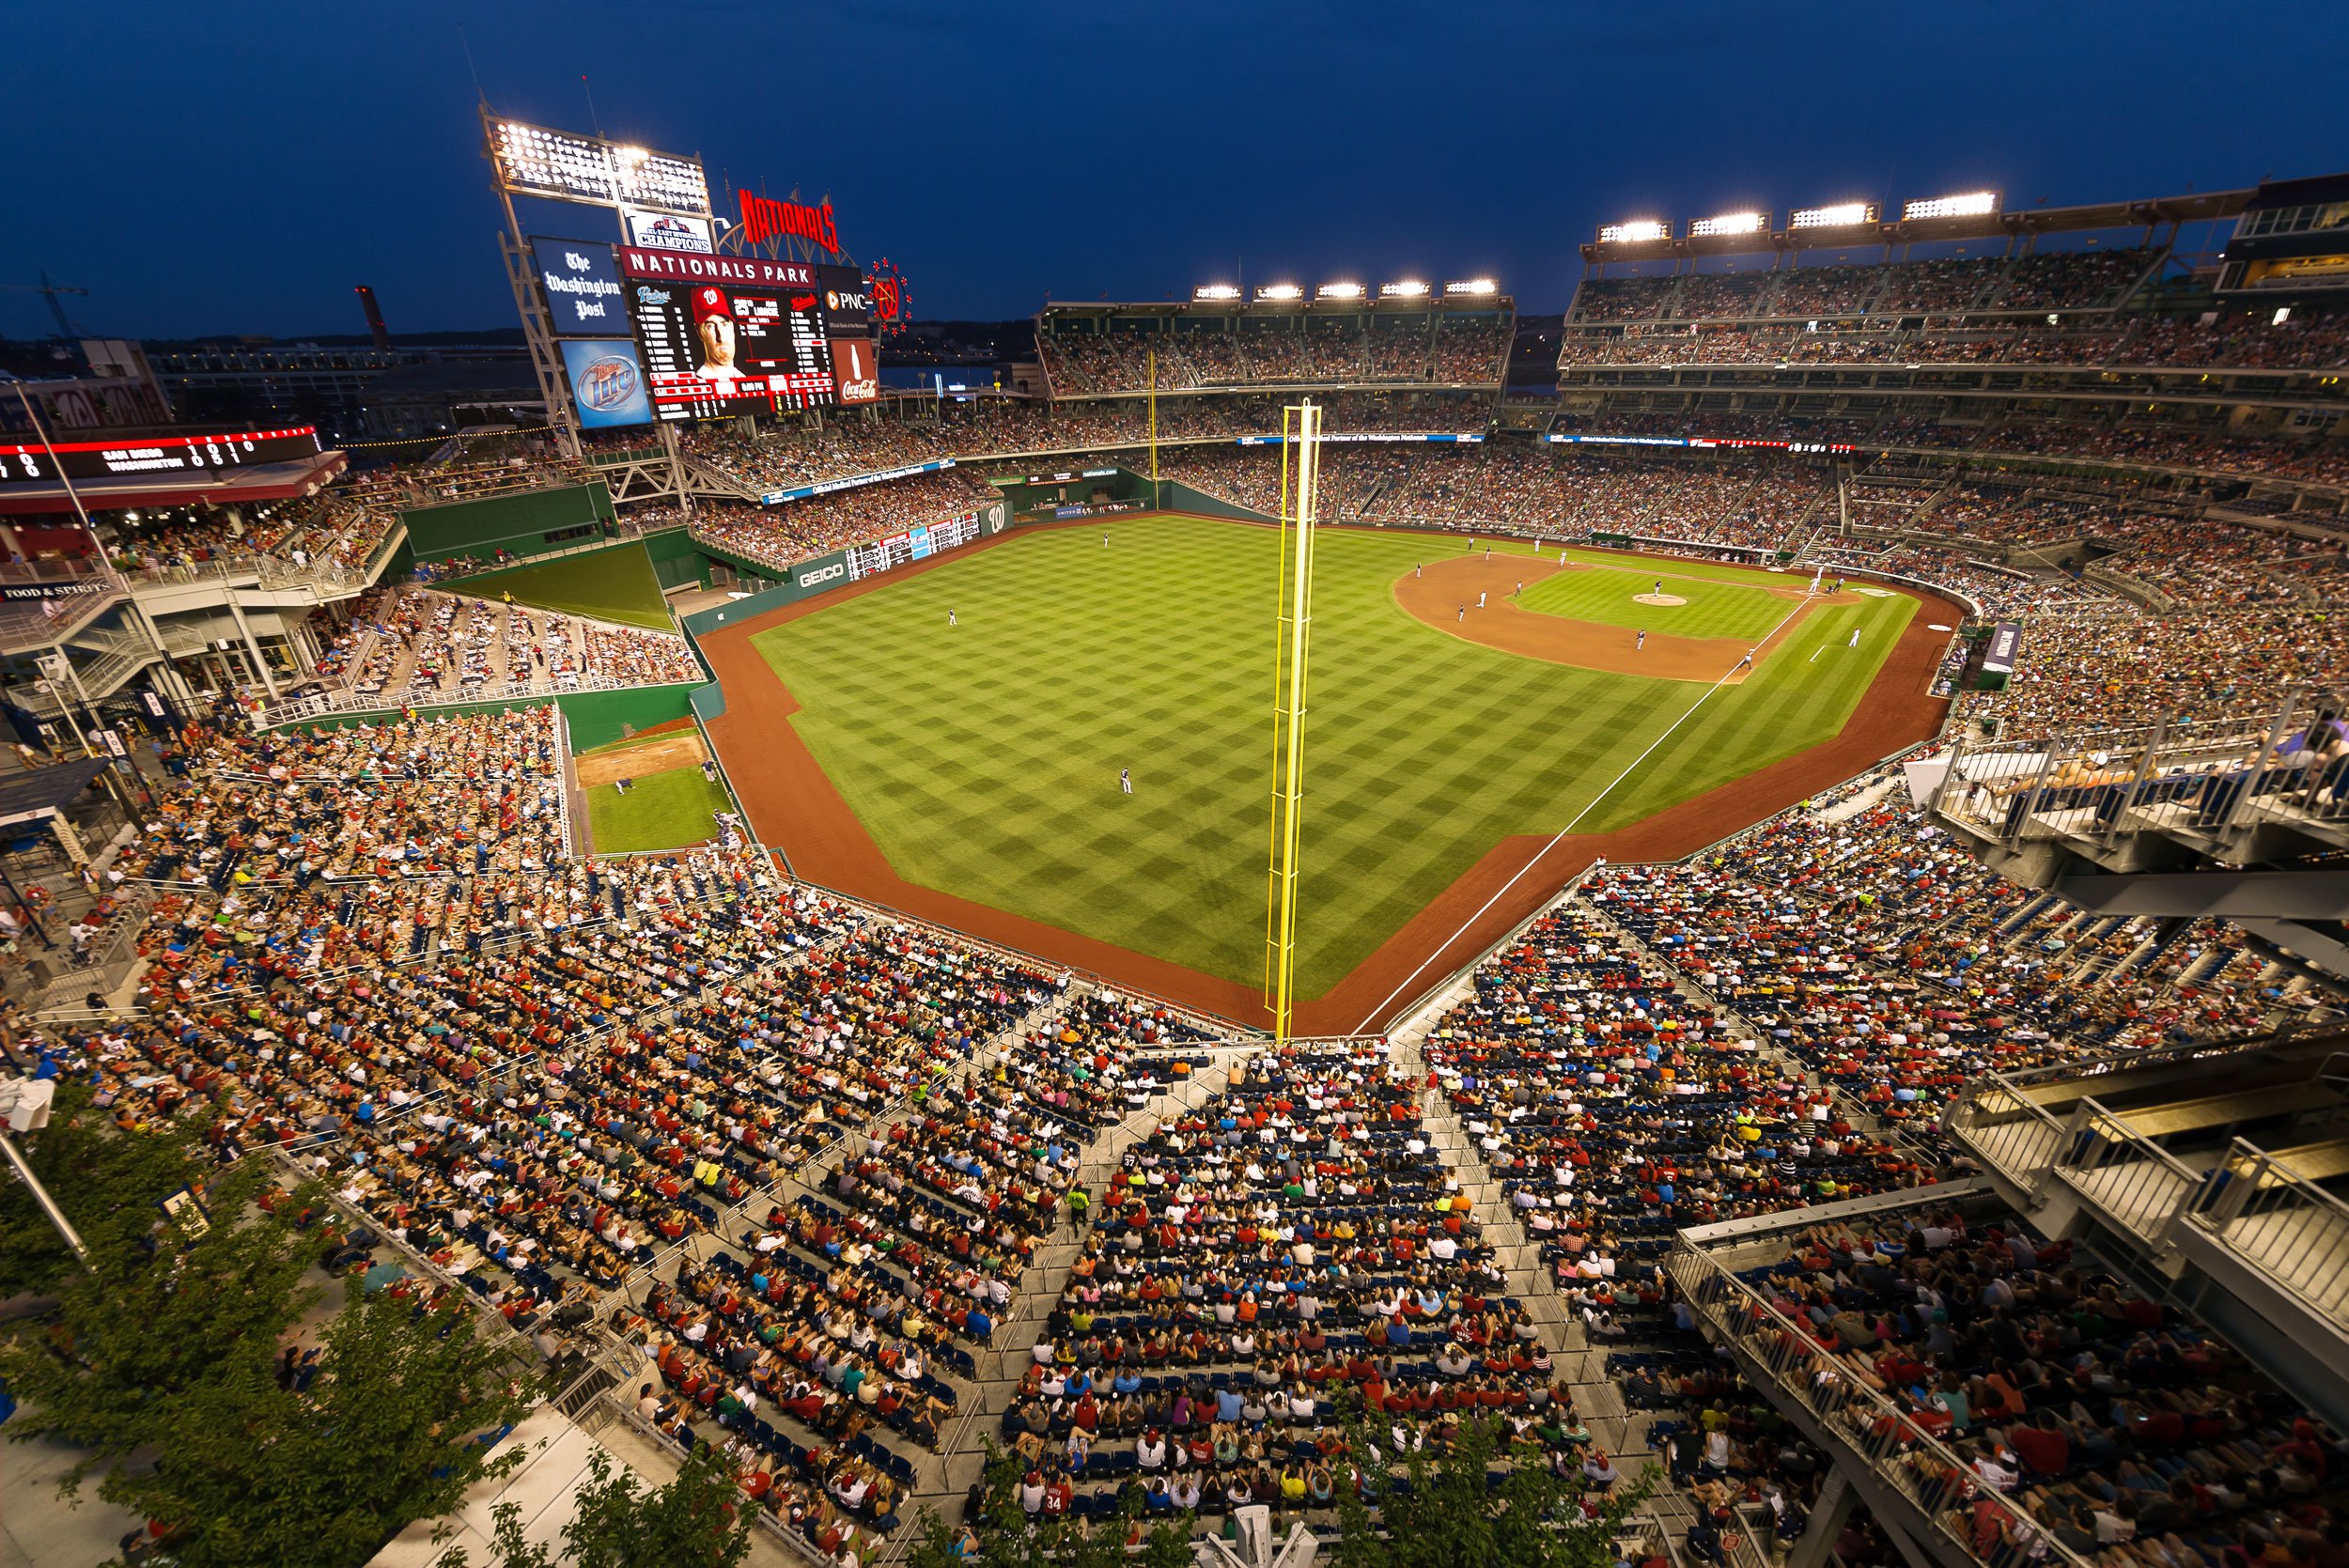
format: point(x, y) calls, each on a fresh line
point(975, 716)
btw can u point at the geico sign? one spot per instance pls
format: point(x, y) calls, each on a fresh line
point(823, 574)
point(765, 218)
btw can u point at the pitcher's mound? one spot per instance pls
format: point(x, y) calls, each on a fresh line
point(1657, 598)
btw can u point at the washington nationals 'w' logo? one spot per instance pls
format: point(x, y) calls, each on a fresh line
point(892, 306)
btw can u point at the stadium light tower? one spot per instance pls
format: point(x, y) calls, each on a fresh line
point(1300, 479)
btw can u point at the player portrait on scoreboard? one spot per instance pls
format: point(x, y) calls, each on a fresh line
point(713, 327)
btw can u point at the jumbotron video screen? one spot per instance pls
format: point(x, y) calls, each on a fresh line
point(718, 332)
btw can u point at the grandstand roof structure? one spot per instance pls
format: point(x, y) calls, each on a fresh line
point(223, 487)
point(2027, 223)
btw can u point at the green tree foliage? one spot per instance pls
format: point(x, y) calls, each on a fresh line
point(697, 1520)
point(1006, 1539)
point(164, 1313)
point(394, 1428)
point(107, 1182)
point(1449, 1514)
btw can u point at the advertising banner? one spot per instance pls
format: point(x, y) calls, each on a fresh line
point(854, 481)
point(1998, 657)
point(821, 572)
point(856, 369)
point(607, 383)
point(582, 288)
point(1369, 436)
point(667, 231)
point(847, 302)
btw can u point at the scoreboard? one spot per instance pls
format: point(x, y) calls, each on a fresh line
point(876, 556)
point(721, 334)
point(127, 456)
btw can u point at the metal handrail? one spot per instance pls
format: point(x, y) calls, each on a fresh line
point(2305, 1253)
point(2031, 1140)
point(1876, 1433)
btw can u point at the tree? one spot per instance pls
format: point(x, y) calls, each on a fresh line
point(1008, 1538)
point(165, 1310)
point(395, 1427)
point(697, 1520)
point(1446, 1512)
point(107, 1181)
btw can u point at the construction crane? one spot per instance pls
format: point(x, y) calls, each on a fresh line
point(55, 292)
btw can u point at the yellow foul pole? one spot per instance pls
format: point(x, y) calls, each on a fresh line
point(1155, 498)
point(1301, 466)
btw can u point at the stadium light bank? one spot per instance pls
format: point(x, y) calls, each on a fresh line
point(1841, 214)
point(1973, 203)
point(1406, 288)
point(1473, 287)
point(1728, 223)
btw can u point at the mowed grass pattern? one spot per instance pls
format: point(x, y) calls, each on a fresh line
point(616, 584)
point(984, 757)
point(1606, 594)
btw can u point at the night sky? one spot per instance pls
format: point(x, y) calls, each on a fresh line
point(208, 169)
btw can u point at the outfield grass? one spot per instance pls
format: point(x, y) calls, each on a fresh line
point(1604, 594)
point(616, 584)
point(665, 811)
point(984, 757)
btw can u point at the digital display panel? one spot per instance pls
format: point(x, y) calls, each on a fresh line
point(582, 284)
point(721, 332)
point(607, 383)
point(107, 459)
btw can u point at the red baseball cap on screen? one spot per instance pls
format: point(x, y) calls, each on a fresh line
point(710, 301)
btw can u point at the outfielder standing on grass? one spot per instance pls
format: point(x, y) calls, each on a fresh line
point(1126, 780)
point(950, 618)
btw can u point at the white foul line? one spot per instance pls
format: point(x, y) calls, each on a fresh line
point(1545, 849)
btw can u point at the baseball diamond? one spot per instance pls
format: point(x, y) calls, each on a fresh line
point(978, 762)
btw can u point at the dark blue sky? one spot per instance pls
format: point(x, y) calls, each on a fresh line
point(206, 167)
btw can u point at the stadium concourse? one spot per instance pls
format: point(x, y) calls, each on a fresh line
point(852, 1192)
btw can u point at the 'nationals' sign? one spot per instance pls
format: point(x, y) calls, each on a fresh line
point(755, 271)
point(765, 218)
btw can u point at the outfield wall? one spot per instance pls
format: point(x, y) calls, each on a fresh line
point(484, 584)
point(819, 574)
point(528, 523)
point(596, 717)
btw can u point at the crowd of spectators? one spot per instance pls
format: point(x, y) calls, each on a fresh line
point(1287, 1258)
point(1450, 348)
point(2106, 665)
point(341, 527)
point(780, 536)
point(1896, 964)
point(2038, 282)
point(2241, 343)
point(420, 646)
point(2083, 1413)
point(1730, 501)
point(1614, 1109)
